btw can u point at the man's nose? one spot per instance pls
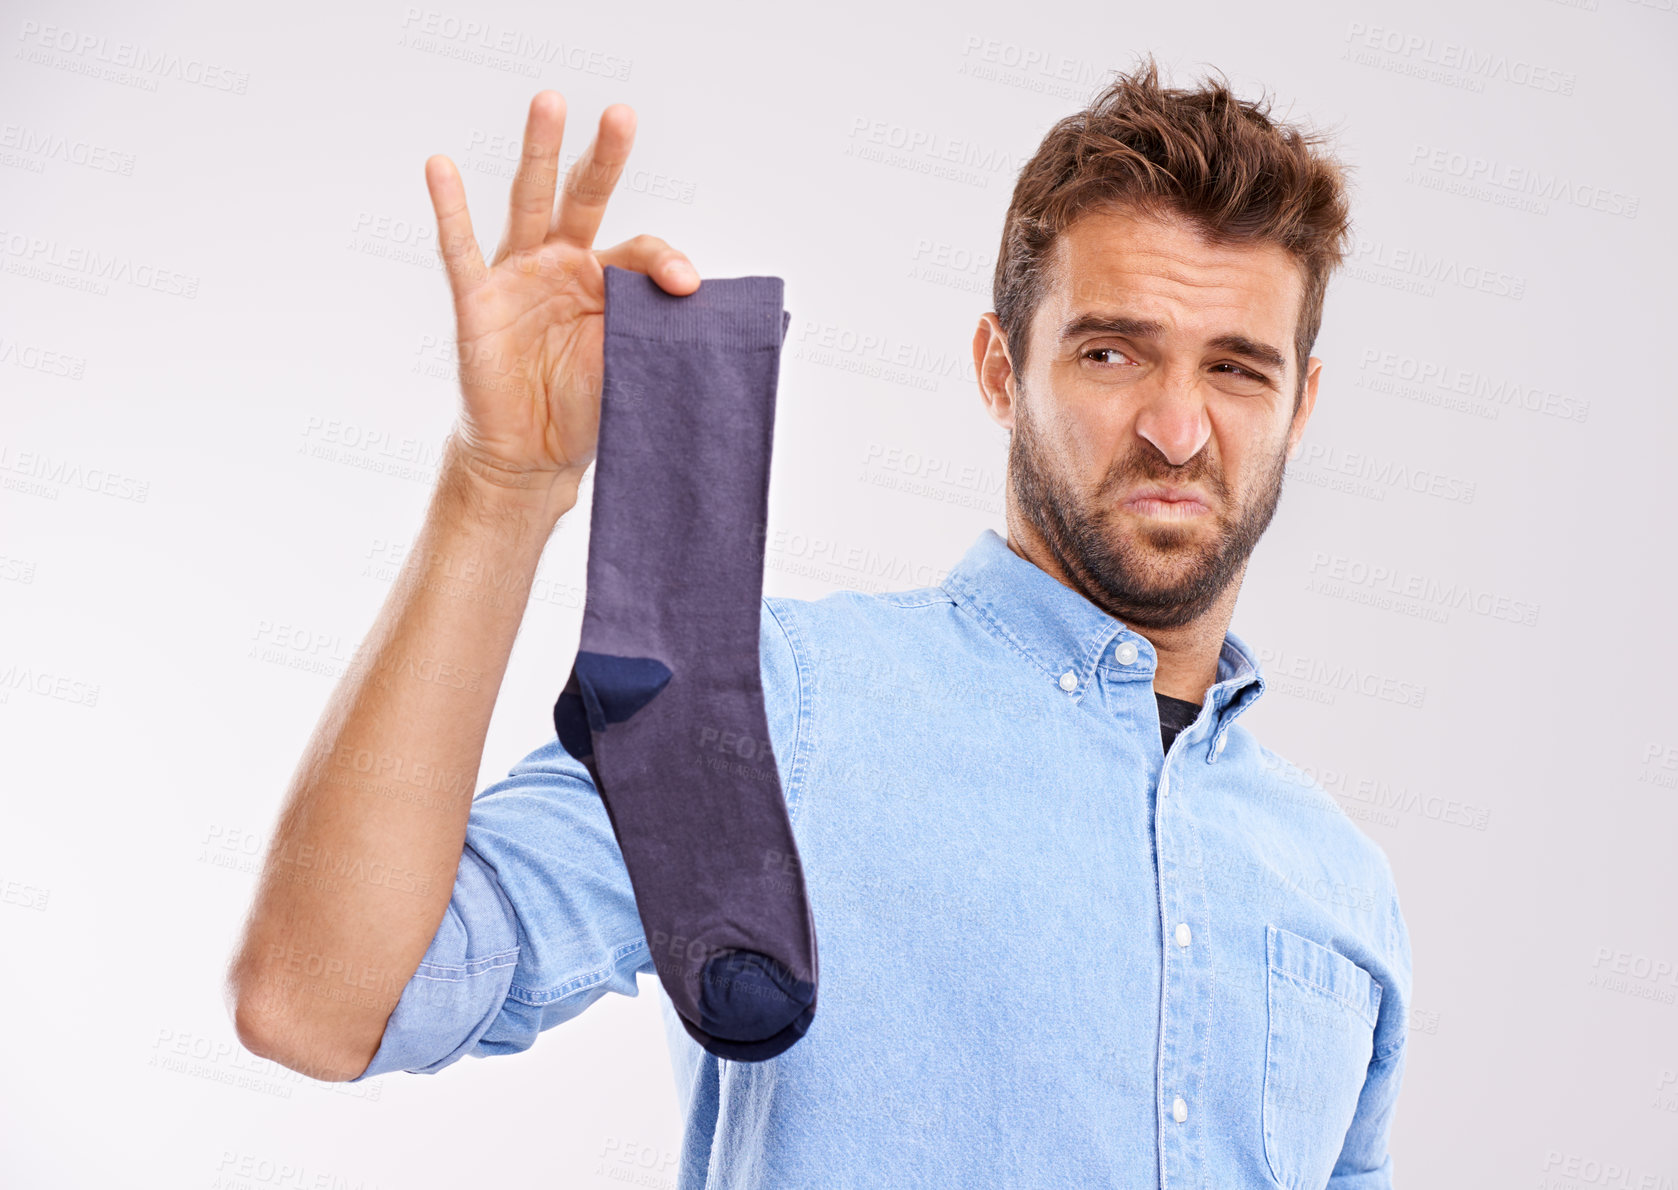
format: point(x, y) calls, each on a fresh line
point(1173, 417)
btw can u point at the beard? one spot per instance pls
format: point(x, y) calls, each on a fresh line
point(1147, 573)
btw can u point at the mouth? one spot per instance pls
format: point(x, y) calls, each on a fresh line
point(1166, 503)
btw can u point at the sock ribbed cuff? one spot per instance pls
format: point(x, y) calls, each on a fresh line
point(741, 312)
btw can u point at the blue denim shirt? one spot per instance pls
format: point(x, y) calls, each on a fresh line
point(1050, 955)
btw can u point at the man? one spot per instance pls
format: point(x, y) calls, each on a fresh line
point(1077, 926)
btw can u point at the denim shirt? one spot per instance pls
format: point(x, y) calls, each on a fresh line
point(1051, 956)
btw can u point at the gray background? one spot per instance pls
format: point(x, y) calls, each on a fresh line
point(226, 372)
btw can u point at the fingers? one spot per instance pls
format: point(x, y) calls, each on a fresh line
point(673, 271)
point(589, 182)
point(462, 261)
point(532, 200)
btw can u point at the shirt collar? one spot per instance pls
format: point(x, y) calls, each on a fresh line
point(1059, 631)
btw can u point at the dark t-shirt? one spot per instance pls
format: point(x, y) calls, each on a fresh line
point(1174, 715)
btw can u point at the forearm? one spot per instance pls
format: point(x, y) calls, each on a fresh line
point(361, 866)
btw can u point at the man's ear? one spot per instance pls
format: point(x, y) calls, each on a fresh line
point(1307, 402)
point(994, 370)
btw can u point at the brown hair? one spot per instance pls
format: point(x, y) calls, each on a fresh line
point(1237, 176)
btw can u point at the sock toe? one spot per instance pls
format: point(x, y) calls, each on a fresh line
point(747, 997)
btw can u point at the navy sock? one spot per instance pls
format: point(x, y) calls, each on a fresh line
point(667, 666)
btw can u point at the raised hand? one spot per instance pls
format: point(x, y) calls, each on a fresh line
point(530, 324)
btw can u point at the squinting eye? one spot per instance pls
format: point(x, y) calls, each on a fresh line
point(1104, 351)
point(1240, 371)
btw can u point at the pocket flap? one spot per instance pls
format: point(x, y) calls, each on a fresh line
point(1328, 970)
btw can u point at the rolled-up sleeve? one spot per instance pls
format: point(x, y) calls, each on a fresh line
point(461, 983)
point(542, 921)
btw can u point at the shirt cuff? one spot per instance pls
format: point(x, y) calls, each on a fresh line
point(460, 984)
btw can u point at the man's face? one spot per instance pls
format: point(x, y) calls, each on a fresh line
point(1156, 361)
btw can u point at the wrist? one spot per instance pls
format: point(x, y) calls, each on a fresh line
point(494, 492)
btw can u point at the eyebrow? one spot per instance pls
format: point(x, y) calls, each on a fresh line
point(1147, 328)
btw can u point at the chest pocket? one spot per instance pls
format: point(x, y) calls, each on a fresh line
point(1322, 1011)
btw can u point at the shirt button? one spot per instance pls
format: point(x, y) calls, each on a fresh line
point(1183, 937)
point(1069, 681)
point(1179, 1109)
point(1126, 652)
point(1219, 746)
